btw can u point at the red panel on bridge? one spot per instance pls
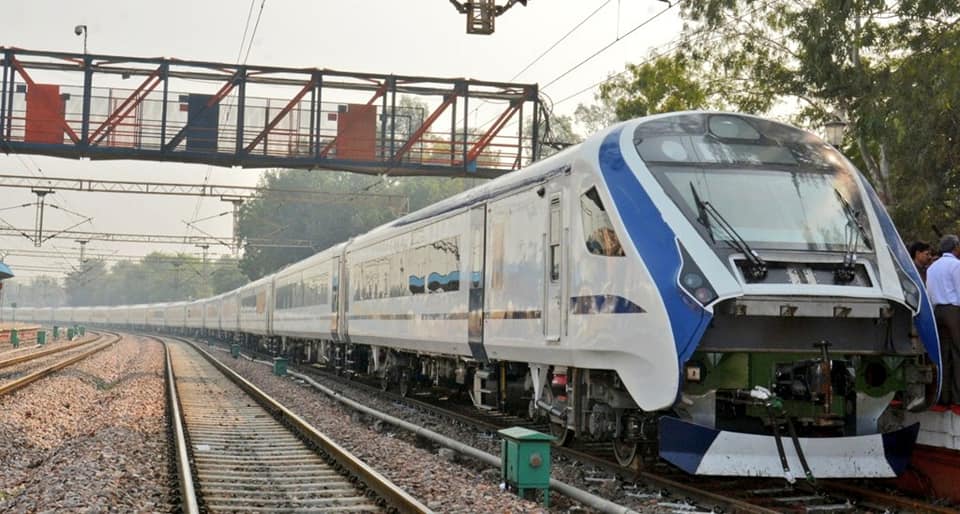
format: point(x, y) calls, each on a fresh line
point(44, 114)
point(357, 132)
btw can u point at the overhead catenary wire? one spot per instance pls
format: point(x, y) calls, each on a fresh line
point(562, 39)
point(548, 50)
point(701, 34)
point(249, 44)
point(596, 53)
point(607, 46)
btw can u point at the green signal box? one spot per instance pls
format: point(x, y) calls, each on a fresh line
point(41, 337)
point(235, 350)
point(525, 460)
point(279, 366)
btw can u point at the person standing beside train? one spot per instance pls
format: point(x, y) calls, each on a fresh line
point(943, 286)
point(922, 255)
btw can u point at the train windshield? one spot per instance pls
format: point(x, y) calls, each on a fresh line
point(777, 186)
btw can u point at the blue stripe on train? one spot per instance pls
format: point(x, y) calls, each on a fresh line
point(656, 243)
point(684, 444)
point(924, 320)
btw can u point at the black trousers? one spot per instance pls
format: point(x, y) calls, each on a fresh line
point(948, 325)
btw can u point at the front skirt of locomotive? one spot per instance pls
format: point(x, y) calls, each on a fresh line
point(702, 450)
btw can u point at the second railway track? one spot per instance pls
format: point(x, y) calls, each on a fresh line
point(245, 460)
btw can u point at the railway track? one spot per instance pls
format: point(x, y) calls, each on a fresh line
point(26, 354)
point(83, 350)
point(248, 453)
point(742, 495)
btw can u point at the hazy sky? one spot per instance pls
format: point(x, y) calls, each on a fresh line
point(415, 37)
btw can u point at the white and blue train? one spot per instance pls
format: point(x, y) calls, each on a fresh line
point(722, 290)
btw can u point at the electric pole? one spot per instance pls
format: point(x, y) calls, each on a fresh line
point(205, 278)
point(38, 219)
point(237, 202)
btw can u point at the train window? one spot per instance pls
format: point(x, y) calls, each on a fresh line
point(315, 290)
point(555, 239)
point(723, 139)
point(430, 268)
point(599, 234)
point(497, 257)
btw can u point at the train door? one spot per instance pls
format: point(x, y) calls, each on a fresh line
point(553, 291)
point(478, 223)
point(335, 300)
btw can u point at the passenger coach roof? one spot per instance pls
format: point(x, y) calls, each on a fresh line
point(535, 173)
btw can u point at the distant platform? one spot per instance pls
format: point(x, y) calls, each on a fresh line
point(26, 332)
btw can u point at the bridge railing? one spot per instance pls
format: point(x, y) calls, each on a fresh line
point(100, 107)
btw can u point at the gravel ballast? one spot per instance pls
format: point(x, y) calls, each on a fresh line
point(91, 438)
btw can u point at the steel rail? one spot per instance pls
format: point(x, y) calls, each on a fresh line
point(706, 496)
point(37, 375)
point(727, 503)
point(899, 501)
point(188, 493)
point(36, 355)
point(396, 497)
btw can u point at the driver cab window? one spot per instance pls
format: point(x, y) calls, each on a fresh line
point(601, 239)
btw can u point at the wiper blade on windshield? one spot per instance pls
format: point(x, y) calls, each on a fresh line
point(757, 269)
point(702, 216)
point(853, 217)
point(847, 271)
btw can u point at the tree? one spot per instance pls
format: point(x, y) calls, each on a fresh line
point(886, 68)
point(85, 285)
point(595, 117)
point(663, 85)
point(361, 203)
point(157, 277)
point(557, 134)
point(40, 291)
point(226, 275)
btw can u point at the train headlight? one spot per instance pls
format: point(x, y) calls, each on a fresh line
point(911, 292)
point(693, 281)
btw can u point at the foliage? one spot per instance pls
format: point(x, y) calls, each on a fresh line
point(358, 203)
point(157, 277)
point(663, 85)
point(225, 275)
point(38, 291)
point(888, 69)
point(595, 117)
point(555, 132)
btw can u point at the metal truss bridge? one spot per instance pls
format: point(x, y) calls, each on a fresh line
point(164, 109)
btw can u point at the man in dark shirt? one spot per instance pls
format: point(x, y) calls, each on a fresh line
point(922, 255)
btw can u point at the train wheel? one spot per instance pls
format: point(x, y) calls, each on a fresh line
point(561, 433)
point(625, 452)
point(404, 384)
point(533, 412)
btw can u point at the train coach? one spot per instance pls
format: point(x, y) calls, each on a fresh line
point(721, 290)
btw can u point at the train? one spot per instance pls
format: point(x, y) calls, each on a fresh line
point(719, 290)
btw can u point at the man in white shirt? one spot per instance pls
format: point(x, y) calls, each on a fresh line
point(943, 286)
